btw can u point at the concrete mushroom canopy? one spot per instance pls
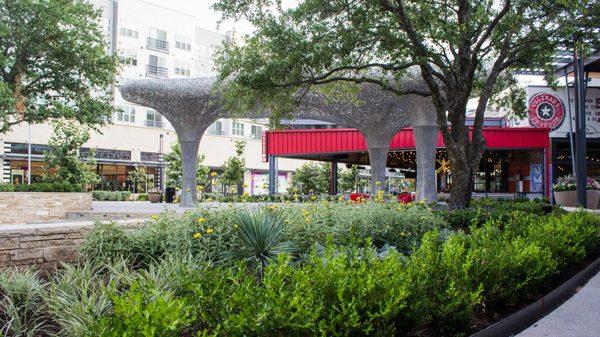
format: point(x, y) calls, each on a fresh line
point(191, 105)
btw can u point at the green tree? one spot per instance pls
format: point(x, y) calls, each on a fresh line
point(53, 62)
point(64, 157)
point(138, 177)
point(234, 168)
point(311, 178)
point(461, 48)
point(348, 179)
point(174, 170)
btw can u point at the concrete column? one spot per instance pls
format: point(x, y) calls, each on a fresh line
point(189, 157)
point(378, 161)
point(426, 143)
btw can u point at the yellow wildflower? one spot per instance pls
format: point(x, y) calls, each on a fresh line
point(213, 174)
point(209, 230)
point(201, 220)
point(209, 199)
point(187, 189)
point(200, 187)
point(154, 217)
point(235, 226)
point(313, 198)
point(197, 235)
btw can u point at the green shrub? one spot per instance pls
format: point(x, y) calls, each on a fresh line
point(42, 187)
point(142, 197)
point(105, 242)
point(349, 223)
point(145, 313)
point(22, 306)
point(441, 291)
point(78, 297)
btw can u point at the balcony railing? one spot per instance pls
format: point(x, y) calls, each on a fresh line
point(156, 71)
point(158, 45)
point(153, 124)
point(216, 132)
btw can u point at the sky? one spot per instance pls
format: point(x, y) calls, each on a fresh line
point(206, 17)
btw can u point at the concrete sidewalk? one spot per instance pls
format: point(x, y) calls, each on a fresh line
point(579, 316)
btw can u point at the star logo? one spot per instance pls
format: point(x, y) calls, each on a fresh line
point(546, 111)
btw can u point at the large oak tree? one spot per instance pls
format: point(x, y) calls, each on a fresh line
point(461, 48)
point(53, 62)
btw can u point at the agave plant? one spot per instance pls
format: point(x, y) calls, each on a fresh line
point(259, 238)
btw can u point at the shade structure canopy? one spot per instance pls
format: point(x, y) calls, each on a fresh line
point(349, 145)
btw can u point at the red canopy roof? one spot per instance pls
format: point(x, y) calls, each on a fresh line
point(327, 141)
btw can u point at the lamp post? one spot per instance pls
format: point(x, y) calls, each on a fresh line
point(580, 128)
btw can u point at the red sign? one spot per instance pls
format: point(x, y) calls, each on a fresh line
point(546, 111)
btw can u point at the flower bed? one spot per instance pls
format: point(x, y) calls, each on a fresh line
point(302, 270)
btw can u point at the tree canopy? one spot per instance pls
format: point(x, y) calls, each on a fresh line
point(53, 62)
point(460, 48)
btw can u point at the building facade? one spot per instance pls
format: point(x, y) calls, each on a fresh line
point(151, 41)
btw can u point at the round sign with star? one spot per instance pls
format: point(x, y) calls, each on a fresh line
point(546, 111)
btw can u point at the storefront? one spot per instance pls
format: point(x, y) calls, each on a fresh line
point(112, 165)
point(555, 110)
point(516, 160)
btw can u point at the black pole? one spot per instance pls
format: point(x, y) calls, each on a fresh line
point(333, 179)
point(580, 131)
point(272, 175)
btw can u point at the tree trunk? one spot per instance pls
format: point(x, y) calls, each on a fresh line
point(426, 143)
point(189, 155)
point(462, 183)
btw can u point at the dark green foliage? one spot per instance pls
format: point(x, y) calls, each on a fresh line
point(143, 312)
point(53, 62)
point(311, 178)
point(42, 187)
point(111, 195)
point(162, 280)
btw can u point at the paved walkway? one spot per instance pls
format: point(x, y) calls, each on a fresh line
point(579, 316)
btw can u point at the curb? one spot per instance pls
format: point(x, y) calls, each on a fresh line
point(532, 313)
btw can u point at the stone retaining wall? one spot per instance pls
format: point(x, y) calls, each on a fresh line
point(28, 207)
point(45, 245)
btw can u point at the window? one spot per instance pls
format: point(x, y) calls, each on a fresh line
point(156, 67)
point(126, 115)
point(203, 54)
point(182, 68)
point(153, 119)
point(183, 42)
point(128, 57)
point(216, 128)
point(256, 131)
point(237, 128)
point(158, 34)
point(128, 30)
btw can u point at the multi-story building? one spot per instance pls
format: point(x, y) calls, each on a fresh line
point(152, 41)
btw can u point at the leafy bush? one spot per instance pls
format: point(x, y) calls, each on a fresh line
point(111, 195)
point(484, 210)
point(145, 313)
point(41, 187)
point(352, 223)
point(143, 197)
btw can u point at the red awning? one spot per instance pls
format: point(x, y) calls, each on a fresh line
point(329, 141)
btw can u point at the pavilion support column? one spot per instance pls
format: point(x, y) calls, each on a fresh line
point(378, 161)
point(189, 157)
point(272, 175)
point(426, 144)
point(333, 179)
